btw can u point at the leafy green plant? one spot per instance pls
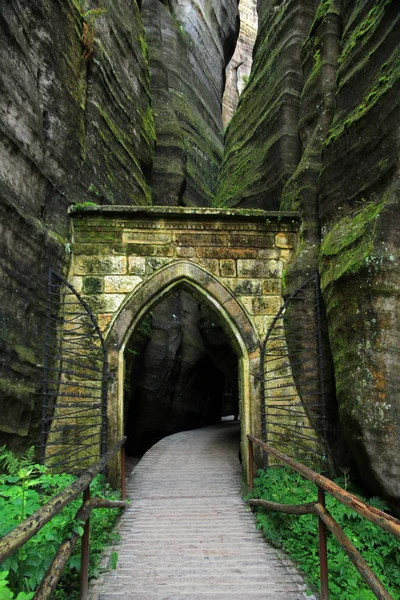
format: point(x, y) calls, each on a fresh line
point(295, 534)
point(88, 17)
point(23, 489)
point(7, 594)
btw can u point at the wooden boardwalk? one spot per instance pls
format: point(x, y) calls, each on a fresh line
point(187, 532)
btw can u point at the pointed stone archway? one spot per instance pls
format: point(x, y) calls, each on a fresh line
point(126, 259)
point(237, 324)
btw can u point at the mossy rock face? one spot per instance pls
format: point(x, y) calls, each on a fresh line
point(74, 129)
point(337, 167)
point(119, 136)
point(360, 274)
point(190, 45)
point(262, 143)
point(359, 258)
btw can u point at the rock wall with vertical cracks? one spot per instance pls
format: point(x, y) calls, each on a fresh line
point(359, 208)
point(330, 149)
point(75, 126)
point(262, 144)
point(190, 44)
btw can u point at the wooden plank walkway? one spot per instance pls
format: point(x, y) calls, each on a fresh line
point(187, 532)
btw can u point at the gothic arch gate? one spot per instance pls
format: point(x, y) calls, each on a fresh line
point(125, 259)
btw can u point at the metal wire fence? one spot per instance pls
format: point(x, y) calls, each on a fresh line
point(74, 409)
point(293, 379)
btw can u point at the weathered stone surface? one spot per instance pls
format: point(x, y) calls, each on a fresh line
point(239, 68)
point(72, 130)
point(359, 262)
point(262, 141)
point(317, 131)
point(110, 265)
point(136, 266)
point(190, 44)
point(114, 284)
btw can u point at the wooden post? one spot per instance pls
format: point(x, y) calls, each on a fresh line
point(123, 473)
point(85, 552)
point(251, 466)
point(323, 555)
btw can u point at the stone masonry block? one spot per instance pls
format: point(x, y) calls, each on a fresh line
point(261, 305)
point(268, 253)
point(97, 235)
point(117, 284)
point(227, 268)
point(271, 287)
point(103, 320)
point(285, 240)
point(99, 265)
point(224, 252)
point(263, 323)
point(77, 283)
point(136, 265)
point(185, 252)
point(154, 263)
point(200, 239)
point(285, 254)
point(145, 237)
point(92, 285)
point(251, 240)
point(149, 250)
point(246, 287)
point(104, 303)
point(210, 264)
point(266, 305)
point(257, 268)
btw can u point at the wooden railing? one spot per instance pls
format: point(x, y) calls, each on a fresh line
point(11, 542)
point(325, 519)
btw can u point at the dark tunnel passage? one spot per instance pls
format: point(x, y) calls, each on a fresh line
point(181, 371)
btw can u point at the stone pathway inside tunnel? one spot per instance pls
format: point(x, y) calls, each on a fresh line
point(187, 532)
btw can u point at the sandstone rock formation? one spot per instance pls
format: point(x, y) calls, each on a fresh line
point(239, 67)
point(316, 130)
point(190, 44)
point(324, 140)
point(262, 142)
point(75, 126)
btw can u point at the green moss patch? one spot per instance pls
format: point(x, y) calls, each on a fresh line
point(349, 245)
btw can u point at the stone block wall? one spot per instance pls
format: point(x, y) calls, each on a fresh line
point(115, 249)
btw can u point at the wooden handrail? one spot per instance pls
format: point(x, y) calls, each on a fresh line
point(55, 570)
point(376, 516)
point(11, 542)
point(21, 534)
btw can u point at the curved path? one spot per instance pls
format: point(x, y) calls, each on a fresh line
point(187, 532)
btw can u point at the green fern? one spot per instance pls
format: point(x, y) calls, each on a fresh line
point(12, 463)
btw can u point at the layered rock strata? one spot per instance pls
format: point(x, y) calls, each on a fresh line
point(239, 68)
point(331, 152)
point(262, 142)
point(75, 126)
point(190, 44)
